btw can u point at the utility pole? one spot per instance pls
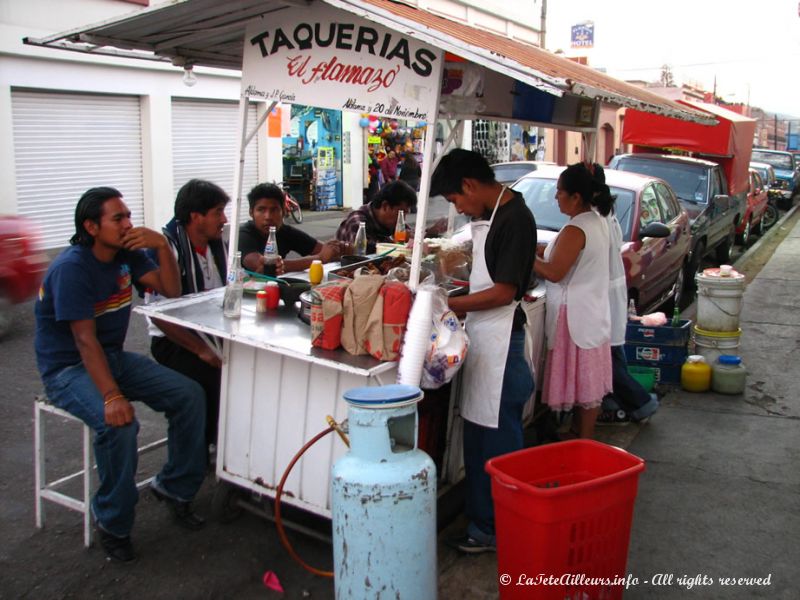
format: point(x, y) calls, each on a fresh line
point(542, 34)
point(775, 134)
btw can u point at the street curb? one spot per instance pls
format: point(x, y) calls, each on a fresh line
point(766, 236)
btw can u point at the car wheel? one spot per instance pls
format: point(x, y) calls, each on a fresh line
point(693, 267)
point(770, 217)
point(759, 229)
point(5, 315)
point(743, 238)
point(724, 249)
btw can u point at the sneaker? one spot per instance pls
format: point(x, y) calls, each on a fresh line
point(613, 417)
point(116, 548)
point(469, 545)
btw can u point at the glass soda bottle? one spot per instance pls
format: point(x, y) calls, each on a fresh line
point(234, 288)
point(271, 255)
point(360, 245)
point(400, 234)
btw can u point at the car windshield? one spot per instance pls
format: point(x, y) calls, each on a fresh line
point(510, 173)
point(540, 196)
point(776, 159)
point(689, 182)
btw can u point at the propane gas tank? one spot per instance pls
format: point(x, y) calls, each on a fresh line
point(383, 496)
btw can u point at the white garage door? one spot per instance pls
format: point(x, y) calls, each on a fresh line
point(205, 145)
point(65, 144)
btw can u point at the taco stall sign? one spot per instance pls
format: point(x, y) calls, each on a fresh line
point(331, 59)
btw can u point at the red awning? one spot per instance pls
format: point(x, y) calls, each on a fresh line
point(730, 140)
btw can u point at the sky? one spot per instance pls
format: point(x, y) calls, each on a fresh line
point(753, 48)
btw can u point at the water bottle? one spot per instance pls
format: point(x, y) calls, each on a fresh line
point(234, 288)
point(631, 308)
point(360, 245)
point(271, 255)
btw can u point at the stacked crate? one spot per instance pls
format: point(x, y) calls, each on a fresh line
point(661, 348)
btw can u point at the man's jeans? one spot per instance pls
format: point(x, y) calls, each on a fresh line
point(629, 395)
point(482, 443)
point(162, 389)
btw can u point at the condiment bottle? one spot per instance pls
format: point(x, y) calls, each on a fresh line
point(729, 375)
point(271, 254)
point(315, 272)
point(234, 288)
point(400, 233)
point(273, 295)
point(261, 301)
point(360, 244)
point(696, 374)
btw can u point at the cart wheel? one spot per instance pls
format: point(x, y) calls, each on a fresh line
point(225, 502)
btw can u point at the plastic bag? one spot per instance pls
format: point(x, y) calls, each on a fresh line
point(403, 274)
point(449, 344)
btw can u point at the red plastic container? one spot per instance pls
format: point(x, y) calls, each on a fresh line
point(563, 511)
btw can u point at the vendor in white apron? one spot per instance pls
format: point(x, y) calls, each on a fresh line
point(497, 380)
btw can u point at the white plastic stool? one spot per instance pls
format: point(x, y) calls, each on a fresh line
point(48, 491)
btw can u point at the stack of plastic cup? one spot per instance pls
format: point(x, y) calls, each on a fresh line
point(417, 341)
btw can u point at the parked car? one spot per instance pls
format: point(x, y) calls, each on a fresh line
point(655, 229)
point(702, 189)
point(753, 219)
point(22, 265)
point(766, 171)
point(786, 172)
point(508, 172)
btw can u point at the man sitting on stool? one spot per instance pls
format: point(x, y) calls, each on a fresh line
point(82, 316)
point(195, 237)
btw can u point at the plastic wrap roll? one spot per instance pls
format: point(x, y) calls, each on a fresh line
point(417, 340)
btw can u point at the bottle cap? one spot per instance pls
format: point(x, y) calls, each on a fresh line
point(272, 283)
point(316, 262)
point(695, 358)
point(261, 294)
point(727, 359)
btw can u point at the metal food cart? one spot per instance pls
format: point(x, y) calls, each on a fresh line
point(378, 57)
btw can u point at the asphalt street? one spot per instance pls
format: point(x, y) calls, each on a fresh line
point(228, 560)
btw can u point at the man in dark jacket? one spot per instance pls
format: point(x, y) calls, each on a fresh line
point(195, 237)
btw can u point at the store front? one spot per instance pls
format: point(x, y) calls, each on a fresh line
point(312, 156)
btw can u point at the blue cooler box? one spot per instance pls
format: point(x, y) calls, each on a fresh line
point(663, 348)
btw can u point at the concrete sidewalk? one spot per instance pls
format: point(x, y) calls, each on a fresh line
point(720, 497)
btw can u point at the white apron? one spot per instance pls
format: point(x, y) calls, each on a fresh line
point(489, 335)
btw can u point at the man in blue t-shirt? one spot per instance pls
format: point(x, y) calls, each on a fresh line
point(82, 316)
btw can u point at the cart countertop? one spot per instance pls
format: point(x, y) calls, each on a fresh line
point(279, 331)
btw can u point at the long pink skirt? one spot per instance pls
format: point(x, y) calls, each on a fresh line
point(574, 376)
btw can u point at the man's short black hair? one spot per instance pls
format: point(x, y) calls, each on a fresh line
point(456, 166)
point(200, 196)
point(90, 206)
point(265, 190)
point(395, 193)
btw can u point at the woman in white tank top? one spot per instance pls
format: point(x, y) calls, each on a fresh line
point(578, 326)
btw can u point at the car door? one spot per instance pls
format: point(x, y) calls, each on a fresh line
point(759, 202)
point(653, 250)
point(679, 242)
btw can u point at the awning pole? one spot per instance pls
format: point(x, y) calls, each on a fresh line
point(238, 176)
point(424, 187)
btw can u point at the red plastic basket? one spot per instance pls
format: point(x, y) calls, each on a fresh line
point(563, 518)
